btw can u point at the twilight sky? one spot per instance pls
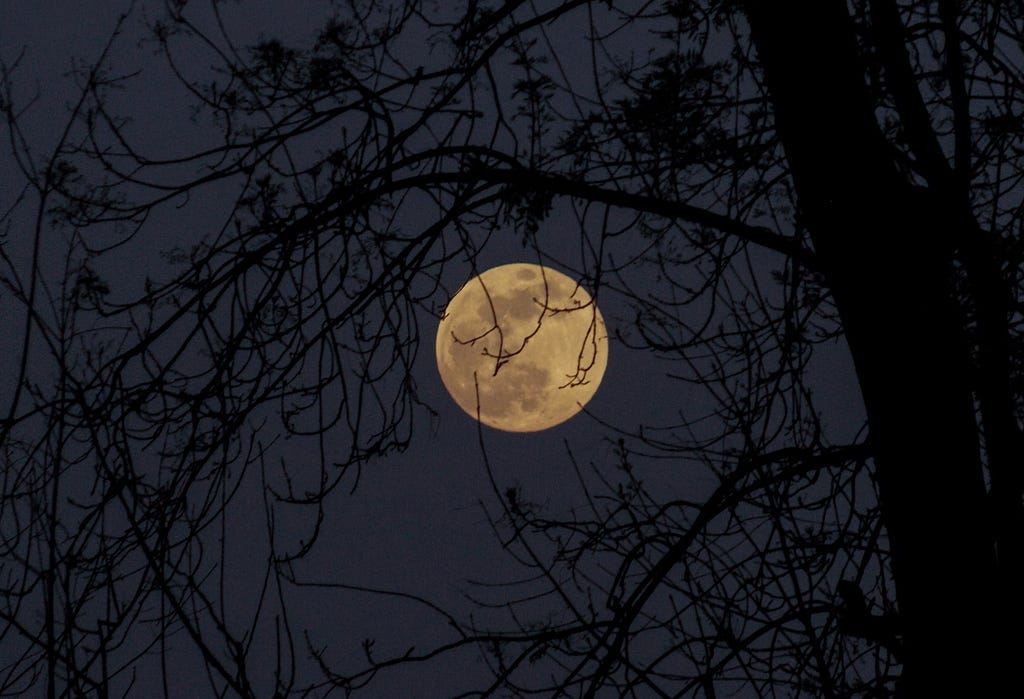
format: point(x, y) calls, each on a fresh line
point(416, 522)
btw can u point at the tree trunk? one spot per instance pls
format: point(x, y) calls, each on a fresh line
point(886, 251)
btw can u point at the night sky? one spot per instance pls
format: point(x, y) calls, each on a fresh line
point(414, 522)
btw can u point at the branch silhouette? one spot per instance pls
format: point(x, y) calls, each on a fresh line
point(215, 311)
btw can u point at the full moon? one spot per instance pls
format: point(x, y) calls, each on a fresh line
point(522, 347)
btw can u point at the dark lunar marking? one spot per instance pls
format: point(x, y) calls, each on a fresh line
point(522, 306)
point(529, 404)
point(485, 313)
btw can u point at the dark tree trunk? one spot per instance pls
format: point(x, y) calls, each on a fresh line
point(886, 248)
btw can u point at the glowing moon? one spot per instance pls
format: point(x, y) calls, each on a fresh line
point(529, 341)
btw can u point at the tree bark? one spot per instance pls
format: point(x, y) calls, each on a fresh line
point(886, 249)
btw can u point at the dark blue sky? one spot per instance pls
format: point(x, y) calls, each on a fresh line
point(416, 523)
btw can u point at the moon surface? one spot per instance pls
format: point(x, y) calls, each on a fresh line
point(522, 347)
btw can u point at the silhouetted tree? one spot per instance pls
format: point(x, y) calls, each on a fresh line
point(760, 182)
